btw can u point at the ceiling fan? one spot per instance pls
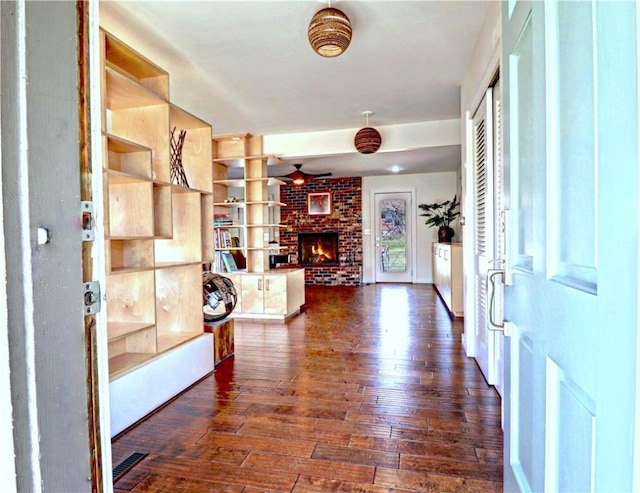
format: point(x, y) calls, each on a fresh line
point(299, 177)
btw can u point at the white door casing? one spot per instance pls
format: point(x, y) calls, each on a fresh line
point(571, 164)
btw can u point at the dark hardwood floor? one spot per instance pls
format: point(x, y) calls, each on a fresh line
point(368, 390)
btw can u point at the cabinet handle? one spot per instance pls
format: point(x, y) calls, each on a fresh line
point(445, 254)
point(266, 282)
point(259, 284)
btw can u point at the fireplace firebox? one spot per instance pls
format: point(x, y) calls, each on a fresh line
point(318, 249)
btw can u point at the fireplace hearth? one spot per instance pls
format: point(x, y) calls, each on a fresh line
point(318, 249)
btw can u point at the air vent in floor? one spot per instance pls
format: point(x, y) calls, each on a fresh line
point(127, 464)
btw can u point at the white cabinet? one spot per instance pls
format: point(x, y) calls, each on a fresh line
point(447, 275)
point(277, 294)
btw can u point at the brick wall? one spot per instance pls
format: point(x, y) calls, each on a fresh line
point(345, 218)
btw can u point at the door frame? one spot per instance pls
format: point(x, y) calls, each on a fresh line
point(412, 223)
point(468, 173)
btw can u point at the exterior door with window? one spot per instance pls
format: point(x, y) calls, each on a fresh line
point(393, 213)
point(571, 159)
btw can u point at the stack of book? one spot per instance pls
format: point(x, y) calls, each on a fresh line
point(222, 220)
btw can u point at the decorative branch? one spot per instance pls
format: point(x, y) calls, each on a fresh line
point(177, 170)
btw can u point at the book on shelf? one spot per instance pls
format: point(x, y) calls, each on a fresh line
point(222, 239)
point(229, 262)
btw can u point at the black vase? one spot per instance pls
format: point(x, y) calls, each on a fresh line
point(445, 234)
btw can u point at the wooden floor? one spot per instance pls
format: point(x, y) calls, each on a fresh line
point(368, 390)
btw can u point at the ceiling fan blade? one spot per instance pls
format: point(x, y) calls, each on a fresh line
point(299, 177)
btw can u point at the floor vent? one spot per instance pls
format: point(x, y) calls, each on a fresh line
point(127, 464)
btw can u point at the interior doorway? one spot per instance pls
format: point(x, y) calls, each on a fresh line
point(393, 236)
point(488, 233)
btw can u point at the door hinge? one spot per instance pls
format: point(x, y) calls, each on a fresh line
point(87, 221)
point(91, 297)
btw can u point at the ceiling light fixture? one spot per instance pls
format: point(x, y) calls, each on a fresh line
point(367, 140)
point(329, 32)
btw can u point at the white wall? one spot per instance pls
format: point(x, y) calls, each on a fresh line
point(428, 187)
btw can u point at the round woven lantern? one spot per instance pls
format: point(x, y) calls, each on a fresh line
point(367, 140)
point(329, 32)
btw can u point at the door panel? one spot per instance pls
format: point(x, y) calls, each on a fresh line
point(393, 236)
point(571, 155)
point(485, 341)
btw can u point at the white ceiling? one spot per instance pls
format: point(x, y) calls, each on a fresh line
point(246, 66)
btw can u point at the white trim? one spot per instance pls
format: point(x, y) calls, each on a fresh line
point(98, 250)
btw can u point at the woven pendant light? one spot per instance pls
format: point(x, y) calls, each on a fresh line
point(329, 32)
point(368, 139)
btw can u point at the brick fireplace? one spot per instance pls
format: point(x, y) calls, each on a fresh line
point(344, 220)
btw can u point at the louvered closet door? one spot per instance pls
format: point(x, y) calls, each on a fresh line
point(484, 238)
point(499, 235)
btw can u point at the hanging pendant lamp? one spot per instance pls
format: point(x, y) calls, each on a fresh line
point(329, 32)
point(368, 139)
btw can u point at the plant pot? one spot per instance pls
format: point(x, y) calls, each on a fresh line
point(445, 234)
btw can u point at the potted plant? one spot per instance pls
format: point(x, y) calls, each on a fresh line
point(440, 215)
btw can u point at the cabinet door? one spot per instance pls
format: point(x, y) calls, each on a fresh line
point(252, 293)
point(275, 294)
point(446, 275)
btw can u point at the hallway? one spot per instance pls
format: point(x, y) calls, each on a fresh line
point(368, 390)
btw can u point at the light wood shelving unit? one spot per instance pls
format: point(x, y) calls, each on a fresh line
point(158, 234)
point(263, 293)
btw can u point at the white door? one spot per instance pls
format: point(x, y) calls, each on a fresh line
point(571, 163)
point(393, 259)
point(483, 247)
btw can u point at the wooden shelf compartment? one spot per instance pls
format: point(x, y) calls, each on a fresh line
point(130, 255)
point(219, 171)
point(230, 205)
point(127, 157)
point(124, 93)
point(130, 206)
point(229, 146)
point(131, 297)
point(147, 126)
point(168, 341)
point(241, 161)
point(255, 169)
point(119, 330)
point(230, 162)
point(206, 227)
point(178, 304)
point(270, 180)
point(130, 63)
point(230, 183)
point(185, 244)
point(162, 206)
point(119, 363)
point(196, 151)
